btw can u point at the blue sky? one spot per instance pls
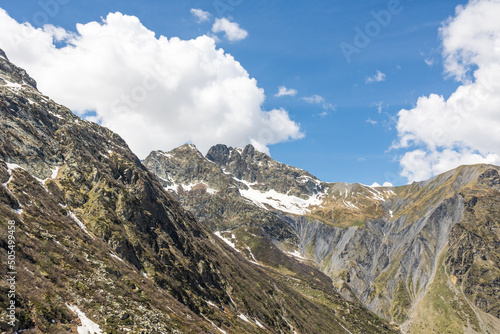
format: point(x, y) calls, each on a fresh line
point(297, 44)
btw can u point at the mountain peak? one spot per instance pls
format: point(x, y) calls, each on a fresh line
point(3, 55)
point(11, 75)
point(219, 154)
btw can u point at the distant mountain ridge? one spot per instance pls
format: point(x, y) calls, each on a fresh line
point(395, 249)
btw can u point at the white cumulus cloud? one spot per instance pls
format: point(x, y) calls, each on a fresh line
point(283, 91)
point(231, 30)
point(201, 16)
point(443, 133)
point(377, 77)
point(157, 93)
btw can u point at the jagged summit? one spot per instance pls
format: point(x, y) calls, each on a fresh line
point(3, 55)
point(13, 76)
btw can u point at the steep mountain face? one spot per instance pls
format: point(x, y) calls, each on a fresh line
point(102, 247)
point(424, 255)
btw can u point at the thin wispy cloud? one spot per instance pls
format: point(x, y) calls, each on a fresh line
point(201, 16)
point(231, 30)
point(283, 91)
point(315, 99)
point(318, 99)
point(429, 61)
point(380, 106)
point(377, 77)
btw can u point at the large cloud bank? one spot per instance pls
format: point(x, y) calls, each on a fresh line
point(441, 133)
point(157, 93)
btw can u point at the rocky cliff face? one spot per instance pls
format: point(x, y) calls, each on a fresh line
point(396, 250)
point(100, 244)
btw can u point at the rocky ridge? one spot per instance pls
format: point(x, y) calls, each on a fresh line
point(393, 249)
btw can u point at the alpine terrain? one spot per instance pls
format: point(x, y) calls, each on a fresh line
point(425, 256)
point(92, 242)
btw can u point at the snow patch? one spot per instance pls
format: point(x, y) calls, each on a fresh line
point(79, 223)
point(228, 173)
point(188, 187)
point(11, 85)
point(167, 155)
point(376, 194)
point(259, 324)
point(248, 184)
point(10, 168)
point(211, 304)
point(55, 170)
point(116, 257)
point(282, 202)
point(219, 329)
point(349, 205)
point(227, 241)
point(244, 318)
point(296, 254)
point(251, 254)
point(53, 175)
point(55, 115)
point(88, 326)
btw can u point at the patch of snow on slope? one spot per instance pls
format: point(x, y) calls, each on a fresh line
point(55, 170)
point(219, 329)
point(79, 223)
point(55, 115)
point(227, 241)
point(305, 179)
point(190, 186)
point(244, 318)
point(248, 184)
point(88, 326)
point(116, 257)
point(349, 205)
point(259, 324)
point(376, 194)
point(167, 155)
point(211, 304)
point(53, 175)
point(286, 203)
point(296, 254)
point(10, 167)
point(251, 254)
point(12, 85)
